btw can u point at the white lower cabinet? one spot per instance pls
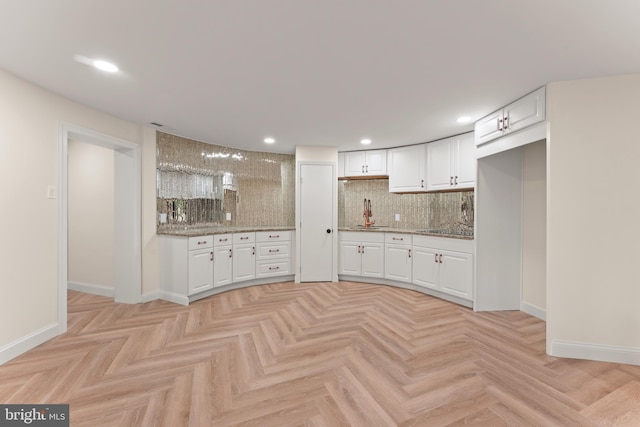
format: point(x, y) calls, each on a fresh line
point(192, 265)
point(200, 264)
point(445, 265)
point(273, 253)
point(244, 256)
point(222, 260)
point(398, 257)
point(361, 254)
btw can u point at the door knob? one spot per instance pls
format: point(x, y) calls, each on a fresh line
point(328, 231)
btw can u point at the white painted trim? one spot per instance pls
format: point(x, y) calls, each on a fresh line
point(91, 288)
point(150, 296)
point(173, 297)
point(602, 353)
point(513, 140)
point(26, 343)
point(63, 232)
point(534, 311)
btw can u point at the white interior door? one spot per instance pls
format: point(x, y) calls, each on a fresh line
point(317, 230)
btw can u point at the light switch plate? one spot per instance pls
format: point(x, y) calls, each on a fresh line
point(228, 216)
point(397, 217)
point(52, 192)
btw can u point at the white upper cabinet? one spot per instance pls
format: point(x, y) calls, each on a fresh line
point(365, 163)
point(407, 169)
point(520, 114)
point(451, 163)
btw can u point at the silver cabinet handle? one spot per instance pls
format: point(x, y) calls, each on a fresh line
point(435, 258)
point(455, 180)
point(275, 236)
point(274, 268)
point(203, 242)
point(230, 253)
point(409, 253)
point(450, 180)
point(506, 122)
point(223, 240)
point(274, 250)
point(440, 256)
point(244, 238)
point(362, 248)
point(422, 183)
point(366, 168)
point(253, 250)
point(362, 168)
point(398, 238)
point(500, 123)
point(211, 259)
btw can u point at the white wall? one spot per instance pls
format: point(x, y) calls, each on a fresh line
point(91, 215)
point(30, 119)
point(534, 226)
point(593, 206)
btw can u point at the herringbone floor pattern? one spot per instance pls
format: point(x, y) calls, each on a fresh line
point(317, 354)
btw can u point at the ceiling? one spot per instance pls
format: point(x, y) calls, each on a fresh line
point(313, 72)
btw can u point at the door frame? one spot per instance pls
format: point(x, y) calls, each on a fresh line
point(334, 219)
point(127, 188)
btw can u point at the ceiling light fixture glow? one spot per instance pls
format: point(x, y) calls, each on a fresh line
point(365, 141)
point(105, 66)
point(269, 140)
point(463, 119)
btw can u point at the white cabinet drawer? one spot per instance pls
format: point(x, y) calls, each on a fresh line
point(397, 239)
point(200, 242)
point(222, 240)
point(273, 268)
point(273, 250)
point(273, 236)
point(239, 238)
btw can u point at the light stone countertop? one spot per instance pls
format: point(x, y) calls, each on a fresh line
point(452, 234)
point(203, 231)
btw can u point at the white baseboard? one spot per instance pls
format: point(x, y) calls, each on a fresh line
point(26, 343)
point(602, 353)
point(150, 296)
point(534, 311)
point(90, 288)
point(173, 297)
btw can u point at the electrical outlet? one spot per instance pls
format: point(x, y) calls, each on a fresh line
point(397, 217)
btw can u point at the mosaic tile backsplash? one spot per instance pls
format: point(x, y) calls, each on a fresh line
point(198, 184)
point(440, 211)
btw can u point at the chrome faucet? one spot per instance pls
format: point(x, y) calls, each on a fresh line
point(367, 213)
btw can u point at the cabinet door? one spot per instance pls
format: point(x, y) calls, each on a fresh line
point(200, 270)
point(354, 163)
point(244, 262)
point(456, 274)
point(425, 267)
point(439, 160)
point(464, 162)
point(375, 162)
point(407, 169)
point(397, 263)
point(350, 258)
point(372, 259)
point(222, 265)
point(525, 112)
point(488, 128)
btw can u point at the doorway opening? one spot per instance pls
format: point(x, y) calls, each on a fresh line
point(126, 215)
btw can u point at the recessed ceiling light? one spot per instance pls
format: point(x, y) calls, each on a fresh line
point(463, 119)
point(269, 140)
point(105, 66)
point(365, 141)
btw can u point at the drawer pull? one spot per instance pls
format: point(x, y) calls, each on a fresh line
point(230, 253)
point(274, 250)
point(274, 236)
point(223, 240)
point(244, 238)
point(274, 268)
point(398, 238)
point(202, 243)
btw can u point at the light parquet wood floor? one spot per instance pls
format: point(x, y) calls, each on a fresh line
point(316, 354)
